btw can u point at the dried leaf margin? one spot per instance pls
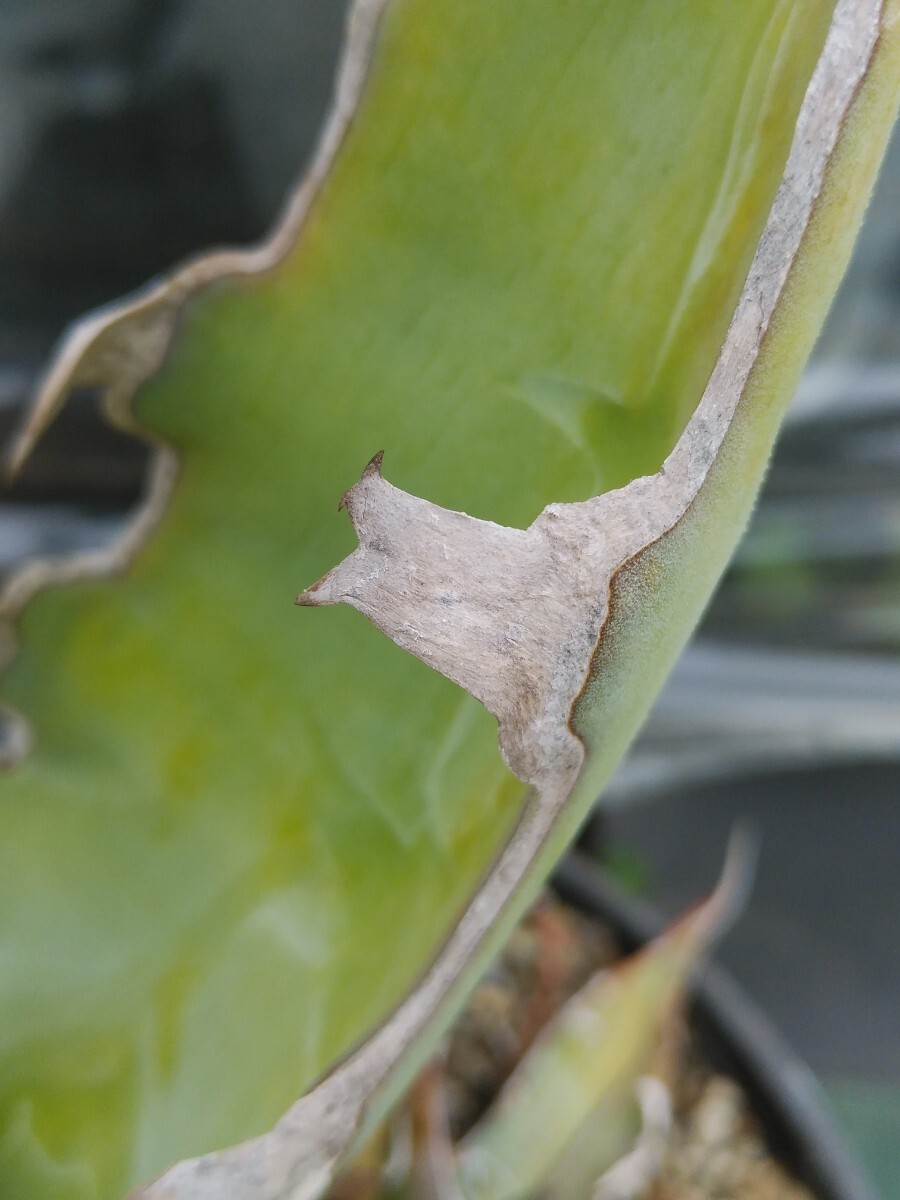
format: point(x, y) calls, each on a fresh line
point(539, 699)
point(121, 346)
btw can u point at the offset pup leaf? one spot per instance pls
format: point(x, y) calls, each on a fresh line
point(243, 832)
point(568, 1115)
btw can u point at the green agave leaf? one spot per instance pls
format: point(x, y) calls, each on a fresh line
point(243, 832)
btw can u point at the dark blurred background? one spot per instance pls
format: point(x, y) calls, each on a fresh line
point(133, 132)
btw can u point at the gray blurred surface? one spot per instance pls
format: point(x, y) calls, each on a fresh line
point(819, 944)
point(134, 132)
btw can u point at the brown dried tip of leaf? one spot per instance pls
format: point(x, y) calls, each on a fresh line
point(509, 614)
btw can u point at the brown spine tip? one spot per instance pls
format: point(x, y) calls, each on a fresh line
point(307, 599)
point(373, 466)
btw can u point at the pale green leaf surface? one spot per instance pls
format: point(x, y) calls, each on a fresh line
point(569, 1112)
point(244, 829)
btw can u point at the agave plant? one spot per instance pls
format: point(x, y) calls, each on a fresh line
point(563, 264)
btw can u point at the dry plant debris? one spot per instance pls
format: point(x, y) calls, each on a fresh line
point(717, 1152)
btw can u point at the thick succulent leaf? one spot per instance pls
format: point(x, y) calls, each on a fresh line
point(569, 1113)
point(243, 831)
